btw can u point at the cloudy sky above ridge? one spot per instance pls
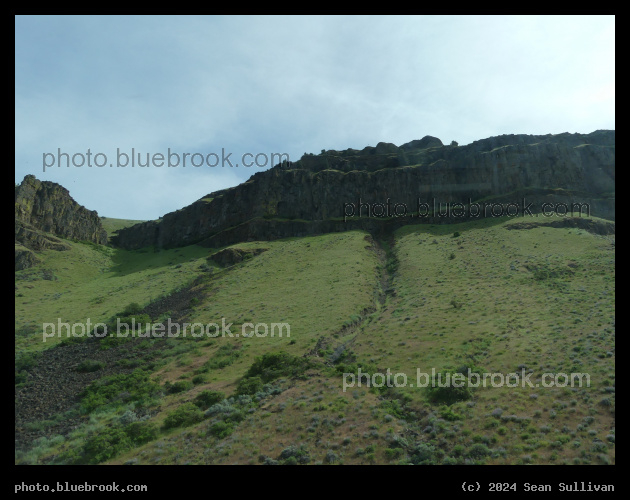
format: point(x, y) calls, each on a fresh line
point(237, 85)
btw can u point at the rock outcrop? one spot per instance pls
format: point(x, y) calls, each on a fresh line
point(315, 191)
point(600, 227)
point(44, 209)
point(48, 207)
point(37, 240)
point(24, 258)
point(231, 256)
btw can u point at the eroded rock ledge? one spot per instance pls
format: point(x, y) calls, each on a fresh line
point(567, 168)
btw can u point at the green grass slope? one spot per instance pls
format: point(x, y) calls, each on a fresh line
point(93, 282)
point(479, 295)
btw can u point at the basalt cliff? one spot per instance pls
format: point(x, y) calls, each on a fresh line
point(44, 210)
point(318, 193)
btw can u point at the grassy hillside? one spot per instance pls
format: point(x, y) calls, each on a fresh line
point(481, 295)
point(539, 300)
point(94, 281)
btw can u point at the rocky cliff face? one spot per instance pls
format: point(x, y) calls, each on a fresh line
point(317, 189)
point(48, 207)
point(44, 209)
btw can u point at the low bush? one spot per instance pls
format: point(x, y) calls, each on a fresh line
point(177, 387)
point(187, 414)
point(206, 399)
point(117, 390)
point(90, 365)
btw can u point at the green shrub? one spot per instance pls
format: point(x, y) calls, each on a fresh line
point(478, 451)
point(249, 386)
point(117, 390)
point(221, 429)
point(206, 399)
point(447, 414)
point(187, 414)
point(72, 340)
point(23, 364)
point(391, 265)
point(423, 454)
point(141, 432)
point(110, 442)
point(392, 453)
point(105, 445)
point(293, 455)
point(132, 309)
point(26, 361)
point(269, 367)
point(458, 450)
point(121, 327)
point(448, 394)
point(274, 365)
point(331, 457)
point(90, 365)
point(133, 322)
point(393, 407)
point(177, 387)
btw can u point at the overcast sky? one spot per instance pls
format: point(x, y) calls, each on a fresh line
point(286, 85)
